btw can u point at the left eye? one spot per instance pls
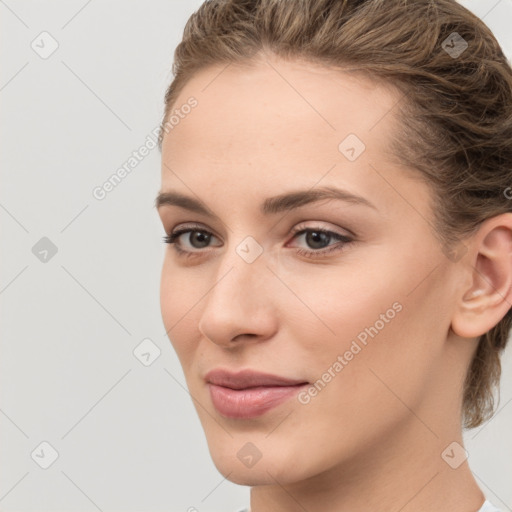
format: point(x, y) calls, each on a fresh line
point(317, 238)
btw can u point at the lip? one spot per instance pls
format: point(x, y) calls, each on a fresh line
point(247, 393)
point(247, 379)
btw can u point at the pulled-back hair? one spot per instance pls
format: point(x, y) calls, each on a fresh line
point(455, 112)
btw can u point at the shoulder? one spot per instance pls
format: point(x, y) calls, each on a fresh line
point(488, 507)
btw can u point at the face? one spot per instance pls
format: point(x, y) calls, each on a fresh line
point(348, 297)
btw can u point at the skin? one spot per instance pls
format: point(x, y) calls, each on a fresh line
point(372, 438)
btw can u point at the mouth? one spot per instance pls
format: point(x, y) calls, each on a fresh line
point(248, 394)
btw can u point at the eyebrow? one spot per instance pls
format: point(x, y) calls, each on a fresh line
point(272, 205)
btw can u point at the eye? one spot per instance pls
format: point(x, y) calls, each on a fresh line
point(317, 237)
point(200, 239)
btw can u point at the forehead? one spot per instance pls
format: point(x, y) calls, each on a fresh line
point(275, 120)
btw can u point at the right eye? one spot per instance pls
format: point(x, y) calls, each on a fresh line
point(198, 238)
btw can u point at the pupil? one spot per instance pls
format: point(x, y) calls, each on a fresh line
point(200, 237)
point(313, 237)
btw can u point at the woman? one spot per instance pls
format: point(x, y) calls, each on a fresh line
point(338, 282)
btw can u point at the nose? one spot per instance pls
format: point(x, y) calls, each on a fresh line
point(239, 304)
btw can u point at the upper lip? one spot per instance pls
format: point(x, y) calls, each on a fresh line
point(247, 379)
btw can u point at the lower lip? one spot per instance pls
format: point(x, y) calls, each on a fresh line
point(252, 402)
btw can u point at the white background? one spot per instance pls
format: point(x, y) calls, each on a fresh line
point(127, 435)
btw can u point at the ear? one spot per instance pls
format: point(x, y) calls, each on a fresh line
point(488, 297)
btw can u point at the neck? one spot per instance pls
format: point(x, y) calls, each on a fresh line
point(407, 474)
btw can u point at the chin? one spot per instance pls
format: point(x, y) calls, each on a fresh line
point(248, 477)
point(262, 473)
point(272, 465)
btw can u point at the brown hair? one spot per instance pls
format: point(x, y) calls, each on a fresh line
point(455, 114)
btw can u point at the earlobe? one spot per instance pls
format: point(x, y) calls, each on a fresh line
point(489, 296)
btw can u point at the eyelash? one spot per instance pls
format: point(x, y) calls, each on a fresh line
point(171, 239)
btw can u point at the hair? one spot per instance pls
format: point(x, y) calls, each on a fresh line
point(455, 111)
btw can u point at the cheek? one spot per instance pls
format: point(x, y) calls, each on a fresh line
point(366, 330)
point(177, 301)
point(343, 305)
